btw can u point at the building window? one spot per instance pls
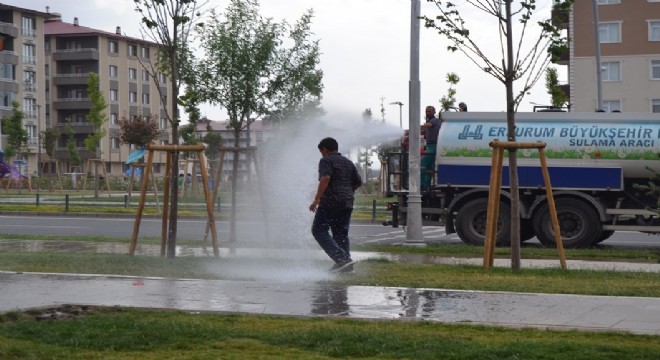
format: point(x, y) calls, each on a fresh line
point(31, 131)
point(113, 71)
point(612, 105)
point(29, 54)
point(114, 95)
point(162, 78)
point(609, 32)
point(112, 47)
point(29, 26)
point(611, 71)
point(145, 98)
point(144, 52)
point(132, 97)
point(114, 142)
point(654, 30)
point(132, 74)
point(29, 80)
point(655, 69)
point(132, 50)
point(145, 75)
point(655, 105)
point(7, 71)
point(114, 119)
point(163, 123)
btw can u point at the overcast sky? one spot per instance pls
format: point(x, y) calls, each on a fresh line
point(365, 48)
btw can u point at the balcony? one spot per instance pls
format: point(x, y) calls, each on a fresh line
point(29, 60)
point(560, 55)
point(84, 127)
point(560, 17)
point(8, 29)
point(76, 54)
point(566, 88)
point(70, 79)
point(30, 87)
point(62, 154)
point(72, 103)
point(29, 32)
point(8, 57)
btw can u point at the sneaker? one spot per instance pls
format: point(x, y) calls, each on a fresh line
point(338, 267)
point(347, 270)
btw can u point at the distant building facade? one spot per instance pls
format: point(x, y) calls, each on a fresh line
point(629, 32)
point(45, 65)
point(258, 132)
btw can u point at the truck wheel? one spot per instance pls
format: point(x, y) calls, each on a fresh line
point(471, 223)
point(526, 230)
point(578, 222)
point(606, 235)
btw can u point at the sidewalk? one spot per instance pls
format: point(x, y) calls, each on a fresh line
point(298, 298)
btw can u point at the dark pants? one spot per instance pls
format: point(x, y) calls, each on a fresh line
point(336, 220)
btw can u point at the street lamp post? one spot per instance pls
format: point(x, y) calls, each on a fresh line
point(414, 234)
point(38, 141)
point(400, 112)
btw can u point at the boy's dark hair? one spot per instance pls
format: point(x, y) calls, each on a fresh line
point(329, 143)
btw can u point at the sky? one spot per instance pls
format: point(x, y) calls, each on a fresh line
point(365, 47)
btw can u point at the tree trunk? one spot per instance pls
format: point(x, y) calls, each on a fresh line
point(513, 158)
point(234, 183)
point(174, 174)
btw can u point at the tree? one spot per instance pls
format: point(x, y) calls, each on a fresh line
point(558, 97)
point(526, 60)
point(300, 80)
point(247, 70)
point(17, 135)
point(49, 140)
point(96, 115)
point(168, 23)
point(447, 101)
point(71, 148)
point(139, 131)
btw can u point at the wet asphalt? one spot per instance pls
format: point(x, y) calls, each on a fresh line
point(301, 289)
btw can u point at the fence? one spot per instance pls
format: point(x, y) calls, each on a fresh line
point(85, 201)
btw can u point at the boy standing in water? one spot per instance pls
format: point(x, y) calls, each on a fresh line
point(333, 204)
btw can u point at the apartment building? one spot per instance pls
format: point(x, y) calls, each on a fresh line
point(44, 66)
point(72, 51)
point(22, 75)
point(629, 32)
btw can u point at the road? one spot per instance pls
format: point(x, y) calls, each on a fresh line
point(361, 232)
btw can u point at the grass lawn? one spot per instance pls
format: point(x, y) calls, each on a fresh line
point(117, 333)
point(123, 333)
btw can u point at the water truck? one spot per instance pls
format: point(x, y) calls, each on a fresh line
point(594, 161)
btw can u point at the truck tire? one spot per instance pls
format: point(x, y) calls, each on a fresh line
point(578, 222)
point(471, 223)
point(526, 230)
point(606, 235)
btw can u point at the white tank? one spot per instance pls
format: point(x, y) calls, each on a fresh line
point(630, 141)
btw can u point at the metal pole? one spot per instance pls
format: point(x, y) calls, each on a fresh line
point(38, 141)
point(599, 70)
point(414, 215)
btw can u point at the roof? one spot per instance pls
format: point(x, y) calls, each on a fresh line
point(58, 27)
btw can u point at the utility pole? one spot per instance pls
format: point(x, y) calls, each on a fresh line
point(414, 236)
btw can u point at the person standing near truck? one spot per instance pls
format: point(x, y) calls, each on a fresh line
point(430, 131)
point(333, 204)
